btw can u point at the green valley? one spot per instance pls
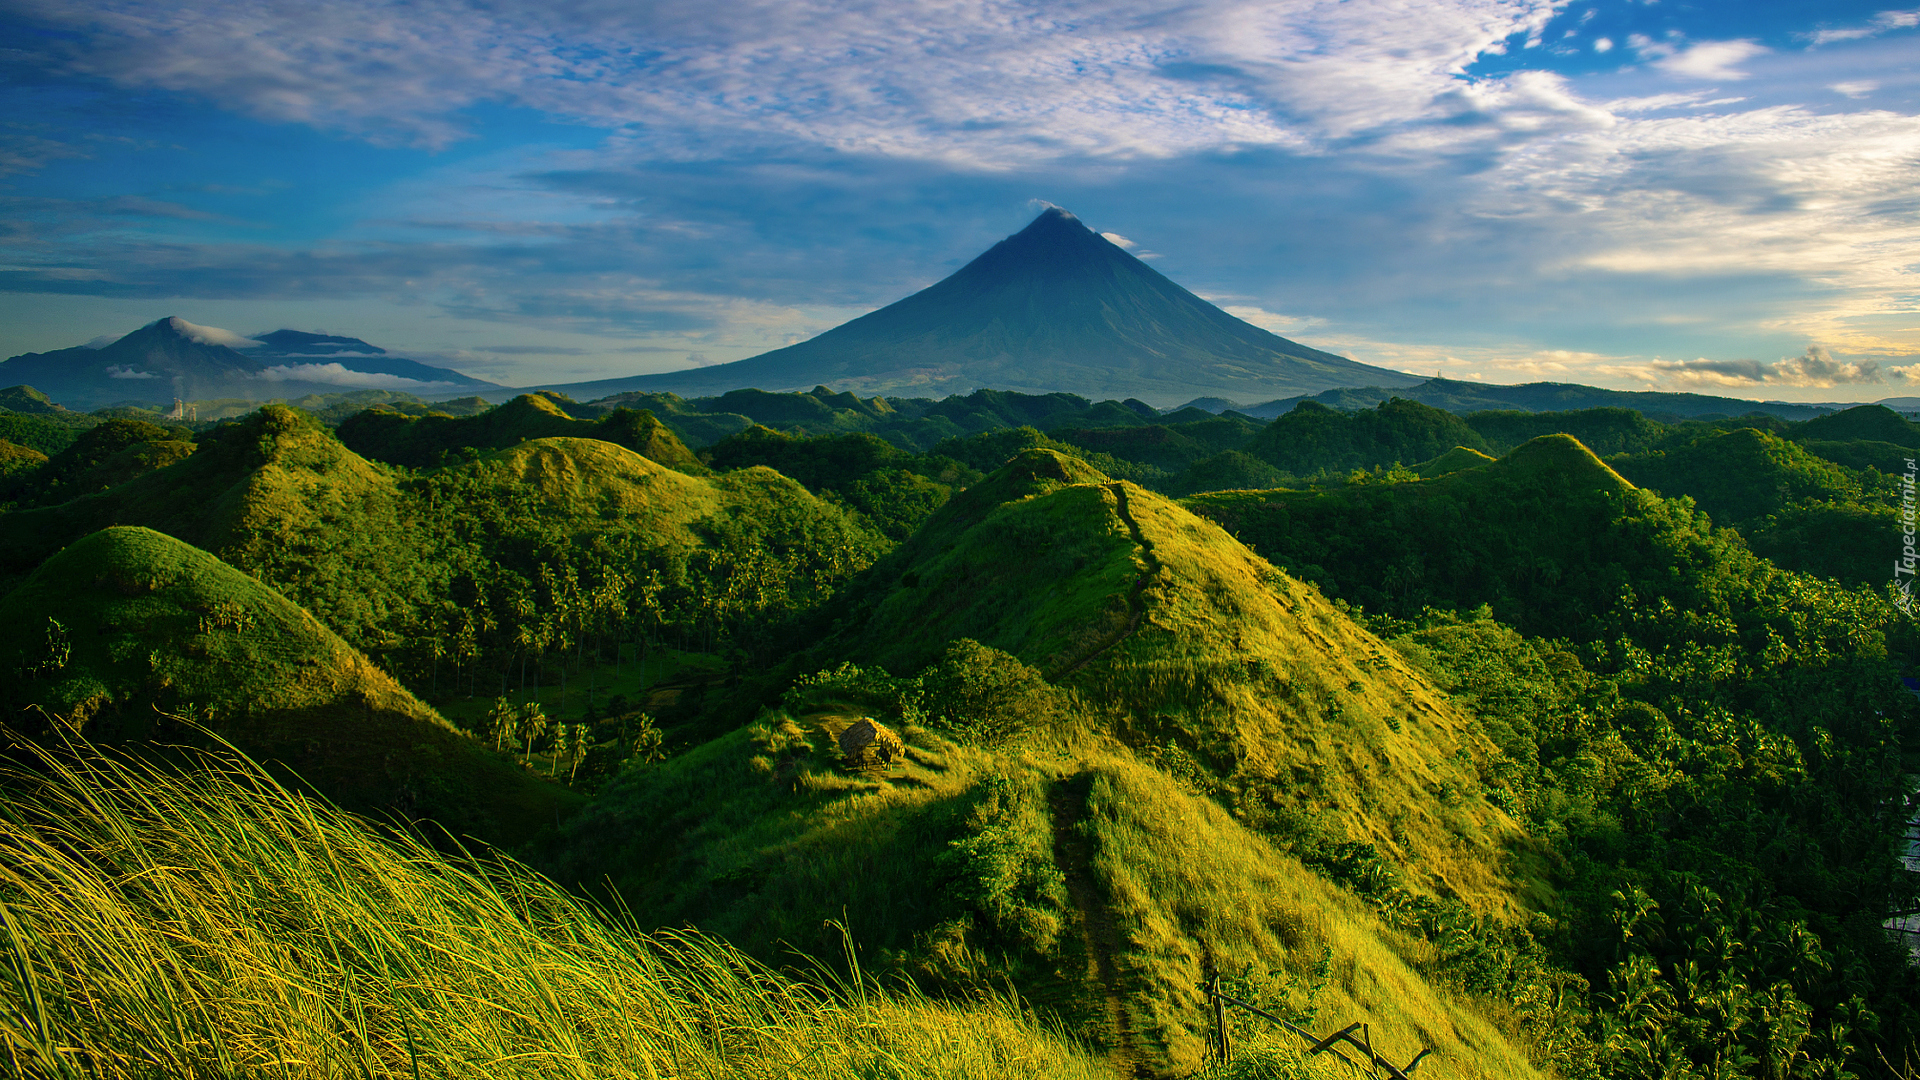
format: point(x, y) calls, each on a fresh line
point(807, 734)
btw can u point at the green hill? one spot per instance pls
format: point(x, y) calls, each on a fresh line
point(104, 456)
point(1606, 430)
point(503, 561)
point(422, 441)
point(1875, 423)
point(1797, 508)
point(1228, 471)
point(1103, 889)
point(1454, 460)
point(1740, 476)
point(1313, 438)
point(892, 489)
point(1138, 604)
point(1062, 850)
point(146, 622)
point(25, 399)
point(1537, 534)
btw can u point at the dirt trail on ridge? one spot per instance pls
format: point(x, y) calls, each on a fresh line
point(1136, 596)
point(1073, 855)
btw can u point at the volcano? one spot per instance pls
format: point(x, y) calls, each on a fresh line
point(172, 357)
point(1055, 307)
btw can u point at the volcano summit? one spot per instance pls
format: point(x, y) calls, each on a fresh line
point(1055, 307)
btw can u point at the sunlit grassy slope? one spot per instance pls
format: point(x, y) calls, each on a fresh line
point(279, 486)
point(1454, 460)
point(1102, 888)
point(272, 481)
point(1094, 861)
point(1199, 645)
point(212, 924)
point(147, 623)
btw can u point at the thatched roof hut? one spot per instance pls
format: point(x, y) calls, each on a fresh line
point(867, 743)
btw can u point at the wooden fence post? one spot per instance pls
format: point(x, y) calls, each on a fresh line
point(1220, 1023)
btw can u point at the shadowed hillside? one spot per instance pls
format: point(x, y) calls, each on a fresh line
point(423, 441)
point(129, 621)
point(1313, 438)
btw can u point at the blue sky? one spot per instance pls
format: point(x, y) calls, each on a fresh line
point(1708, 196)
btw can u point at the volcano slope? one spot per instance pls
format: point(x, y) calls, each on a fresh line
point(128, 630)
point(1128, 825)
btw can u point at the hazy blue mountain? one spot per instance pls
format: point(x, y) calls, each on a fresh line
point(1467, 397)
point(1055, 307)
point(296, 347)
point(172, 357)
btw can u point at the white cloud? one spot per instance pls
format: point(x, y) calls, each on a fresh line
point(210, 335)
point(341, 375)
point(986, 84)
point(1814, 368)
point(1601, 45)
point(1271, 320)
point(1880, 24)
point(1714, 60)
point(1856, 89)
point(117, 372)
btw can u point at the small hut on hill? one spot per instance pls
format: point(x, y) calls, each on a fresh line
point(867, 743)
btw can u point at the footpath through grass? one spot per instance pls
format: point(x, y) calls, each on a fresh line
point(209, 923)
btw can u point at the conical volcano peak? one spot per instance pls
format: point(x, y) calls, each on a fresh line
point(1054, 217)
point(1056, 306)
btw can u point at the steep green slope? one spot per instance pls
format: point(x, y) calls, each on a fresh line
point(1200, 646)
point(424, 441)
point(1101, 887)
point(174, 921)
point(128, 620)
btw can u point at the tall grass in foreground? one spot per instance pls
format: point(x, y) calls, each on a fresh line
point(209, 923)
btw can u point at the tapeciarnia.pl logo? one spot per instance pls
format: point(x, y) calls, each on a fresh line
point(1903, 567)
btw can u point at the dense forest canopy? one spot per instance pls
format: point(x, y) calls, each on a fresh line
point(1573, 743)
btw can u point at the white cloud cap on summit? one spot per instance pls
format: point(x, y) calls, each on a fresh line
point(210, 335)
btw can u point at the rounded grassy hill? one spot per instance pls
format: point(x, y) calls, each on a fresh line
point(129, 627)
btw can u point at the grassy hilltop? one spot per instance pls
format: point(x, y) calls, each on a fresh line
point(1110, 886)
point(1566, 744)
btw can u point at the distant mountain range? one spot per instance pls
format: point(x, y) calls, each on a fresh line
point(1462, 398)
point(1055, 307)
point(173, 358)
